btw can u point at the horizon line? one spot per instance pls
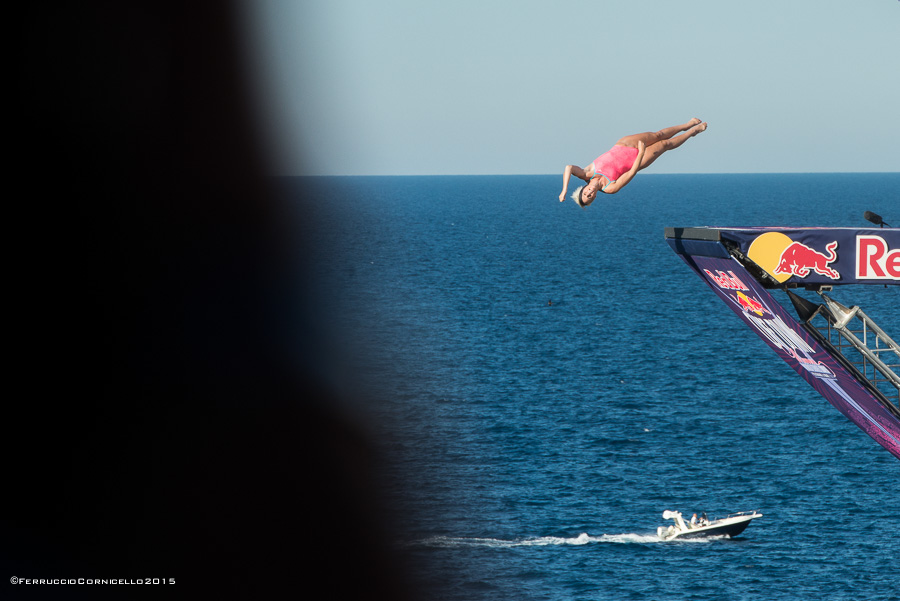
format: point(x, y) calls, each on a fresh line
point(557, 174)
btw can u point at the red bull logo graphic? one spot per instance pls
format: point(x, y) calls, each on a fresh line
point(875, 260)
point(799, 259)
point(784, 258)
point(750, 304)
point(728, 281)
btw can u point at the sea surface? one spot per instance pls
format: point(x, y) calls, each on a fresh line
point(543, 381)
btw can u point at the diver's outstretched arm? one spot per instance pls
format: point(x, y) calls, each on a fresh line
point(569, 172)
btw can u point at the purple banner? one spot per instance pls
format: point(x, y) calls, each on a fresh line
point(822, 255)
point(797, 347)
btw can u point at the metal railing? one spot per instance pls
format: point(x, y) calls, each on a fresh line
point(863, 344)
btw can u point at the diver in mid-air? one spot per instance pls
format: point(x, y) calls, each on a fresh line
point(611, 171)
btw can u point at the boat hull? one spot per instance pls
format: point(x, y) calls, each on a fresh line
point(731, 526)
point(726, 530)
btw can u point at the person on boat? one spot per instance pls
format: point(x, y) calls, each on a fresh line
point(611, 171)
point(704, 521)
point(694, 521)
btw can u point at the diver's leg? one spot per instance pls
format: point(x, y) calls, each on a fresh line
point(668, 132)
point(656, 150)
point(652, 137)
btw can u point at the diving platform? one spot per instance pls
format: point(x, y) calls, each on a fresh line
point(839, 350)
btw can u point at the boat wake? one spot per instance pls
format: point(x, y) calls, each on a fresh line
point(550, 541)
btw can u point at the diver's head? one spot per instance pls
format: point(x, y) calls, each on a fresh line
point(585, 195)
point(576, 196)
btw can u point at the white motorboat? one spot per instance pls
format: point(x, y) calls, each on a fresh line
point(729, 526)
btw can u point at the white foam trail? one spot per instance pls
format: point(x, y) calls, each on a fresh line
point(630, 538)
point(548, 541)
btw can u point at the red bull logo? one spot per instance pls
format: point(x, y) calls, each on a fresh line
point(784, 258)
point(728, 281)
point(750, 304)
point(799, 260)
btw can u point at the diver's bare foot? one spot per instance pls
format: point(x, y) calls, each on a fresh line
point(692, 123)
point(700, 127)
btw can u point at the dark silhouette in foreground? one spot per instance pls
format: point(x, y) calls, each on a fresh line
point(158, 427)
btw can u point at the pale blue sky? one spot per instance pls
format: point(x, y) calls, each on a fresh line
point(419, 87)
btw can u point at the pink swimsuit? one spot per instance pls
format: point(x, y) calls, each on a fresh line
point(615, 162)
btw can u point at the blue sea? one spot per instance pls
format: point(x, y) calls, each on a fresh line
point(542, 381)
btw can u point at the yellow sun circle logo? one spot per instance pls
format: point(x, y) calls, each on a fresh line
point(766, 251)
